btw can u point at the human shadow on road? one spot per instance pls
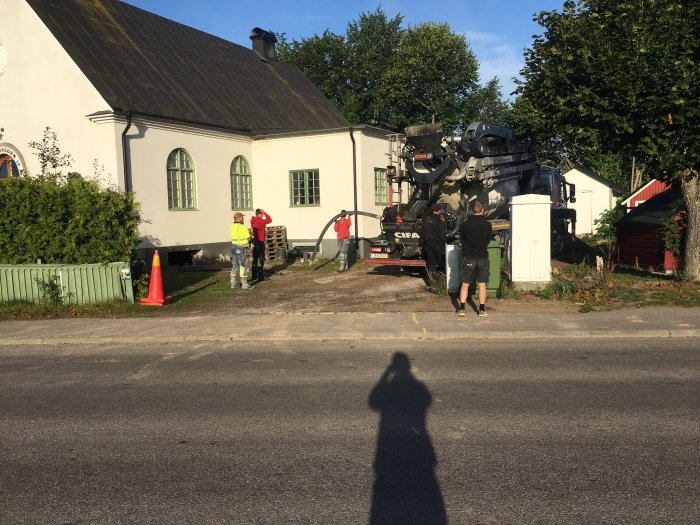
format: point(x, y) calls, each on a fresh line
point(406, 490)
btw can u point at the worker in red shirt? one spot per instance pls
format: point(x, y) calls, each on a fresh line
point(258, 224)
point(342, 227)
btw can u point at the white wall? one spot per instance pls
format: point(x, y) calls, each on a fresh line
point(271, 159)
point(331, 155)
point(40, 87)
point(373, 149)
point(150, 143)
point(592, 199)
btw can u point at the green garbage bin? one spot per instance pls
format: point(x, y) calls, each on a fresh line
point(453, 256)
point(493, 286)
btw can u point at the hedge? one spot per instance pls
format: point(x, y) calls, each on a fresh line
point(65, 220)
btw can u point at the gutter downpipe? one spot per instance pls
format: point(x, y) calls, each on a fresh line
point(354, 185)
point(127, 181)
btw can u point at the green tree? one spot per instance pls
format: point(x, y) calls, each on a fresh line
point(624, 76)
point(382, 72)
point(49, 153)
point(487, 104)
point(433, 78)
point(323, 59)
point(372, 42)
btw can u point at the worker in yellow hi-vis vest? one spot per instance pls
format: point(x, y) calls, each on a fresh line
point(241, 238)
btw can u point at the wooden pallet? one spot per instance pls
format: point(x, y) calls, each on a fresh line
point(275, 243)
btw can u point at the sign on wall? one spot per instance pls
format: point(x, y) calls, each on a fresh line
point(10, 151)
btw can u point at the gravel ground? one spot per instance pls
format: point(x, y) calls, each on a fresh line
point(362, 289)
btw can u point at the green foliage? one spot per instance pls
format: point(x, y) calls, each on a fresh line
point(49, 153)
point(65, 220)
point(673, 231)
point(487, 104)
point(382, 72)
point(624, 77)
point(50, 291)
point(606, 226)
point(323, 59)
point(586, 286)
point(433, 76)
point(508, 289)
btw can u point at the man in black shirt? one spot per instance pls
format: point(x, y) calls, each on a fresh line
point(475, 235)
point(434, 236)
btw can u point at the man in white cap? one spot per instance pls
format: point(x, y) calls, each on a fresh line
point(240, 248)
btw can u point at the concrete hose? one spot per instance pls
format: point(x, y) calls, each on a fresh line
point(328, 225)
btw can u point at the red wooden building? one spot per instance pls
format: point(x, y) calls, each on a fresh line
point(640, 242)
point(646, 192)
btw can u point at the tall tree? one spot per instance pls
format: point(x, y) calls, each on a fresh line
point(323, 59)
point(372, 42)
point(382, 72)
point(487, 104)
point(625, 74)
point(433, 77)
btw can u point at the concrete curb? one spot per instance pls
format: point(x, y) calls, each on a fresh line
point(637, 334)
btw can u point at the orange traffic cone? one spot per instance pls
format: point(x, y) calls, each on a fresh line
point(155, 286)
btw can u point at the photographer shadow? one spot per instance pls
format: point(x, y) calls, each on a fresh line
point(406, 490)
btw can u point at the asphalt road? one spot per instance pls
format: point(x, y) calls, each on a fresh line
point(488, 432)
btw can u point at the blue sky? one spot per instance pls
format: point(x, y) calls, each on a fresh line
point(497, 30)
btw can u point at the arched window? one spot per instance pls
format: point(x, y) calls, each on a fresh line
point(182, 191)
point(241, 185)
point(8, 168)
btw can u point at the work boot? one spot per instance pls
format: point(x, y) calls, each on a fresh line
point(247, 286)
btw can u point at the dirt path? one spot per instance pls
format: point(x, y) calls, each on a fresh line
point(363, 289)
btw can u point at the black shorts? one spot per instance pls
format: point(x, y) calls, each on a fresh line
point(475, 267)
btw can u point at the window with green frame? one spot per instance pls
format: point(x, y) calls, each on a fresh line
point(304, 189)
point(241, 184)
point(381, 186)
point(182, 192)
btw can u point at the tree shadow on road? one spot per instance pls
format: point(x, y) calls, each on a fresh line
point(406, 490)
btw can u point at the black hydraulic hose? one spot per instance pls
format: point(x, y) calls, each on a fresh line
point(356, 213)
point(354, 181)
point(125, 156)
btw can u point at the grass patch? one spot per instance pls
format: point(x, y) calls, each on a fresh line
point(21, 310)
point(188, 289)
point(508, 289)
point(621, 288)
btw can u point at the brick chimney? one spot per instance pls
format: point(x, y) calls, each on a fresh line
point(264, 43)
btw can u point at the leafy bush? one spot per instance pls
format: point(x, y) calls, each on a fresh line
point(51, 292)
point(65, 220)
point(606, 227)
point(673, 230)
point(580, 283)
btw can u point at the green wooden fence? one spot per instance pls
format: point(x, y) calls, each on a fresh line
point(66, 283)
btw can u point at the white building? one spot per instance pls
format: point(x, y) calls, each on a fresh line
point(196, 126)
point(594, 195)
